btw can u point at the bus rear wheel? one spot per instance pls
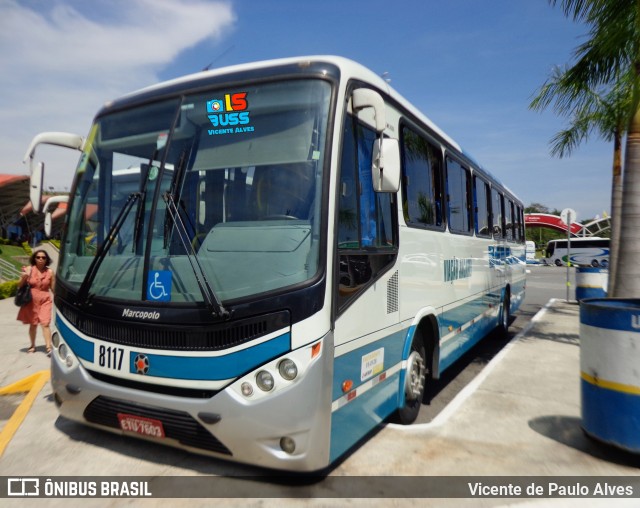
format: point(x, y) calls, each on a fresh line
point(414, 382)
point(505, 315)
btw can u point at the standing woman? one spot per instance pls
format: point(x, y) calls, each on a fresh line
point(38, 312)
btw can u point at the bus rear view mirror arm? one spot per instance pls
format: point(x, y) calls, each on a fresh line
point(63, 139)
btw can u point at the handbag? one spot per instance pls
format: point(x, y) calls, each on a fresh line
point(23, 295)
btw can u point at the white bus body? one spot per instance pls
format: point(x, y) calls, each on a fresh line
point(303, 252)
point(589, 251)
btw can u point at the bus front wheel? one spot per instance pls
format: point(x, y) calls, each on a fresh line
point(414, 382)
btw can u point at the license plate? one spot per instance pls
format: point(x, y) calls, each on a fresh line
point(141, 425)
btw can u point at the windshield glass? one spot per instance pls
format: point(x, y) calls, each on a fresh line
point(220, 188)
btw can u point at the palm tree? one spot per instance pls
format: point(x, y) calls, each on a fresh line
point(612, 51)
point(608, 113)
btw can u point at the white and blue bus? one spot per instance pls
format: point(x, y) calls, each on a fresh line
point(589, 251)
point(300, 253)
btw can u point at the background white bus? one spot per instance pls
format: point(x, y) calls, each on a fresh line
point(304, 251)
point(591, 251)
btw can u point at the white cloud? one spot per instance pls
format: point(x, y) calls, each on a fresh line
point(61, 63)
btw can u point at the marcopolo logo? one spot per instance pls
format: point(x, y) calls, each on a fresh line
point(141, 314)
point(230, 112)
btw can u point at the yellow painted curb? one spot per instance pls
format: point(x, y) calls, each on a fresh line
point(33, 384)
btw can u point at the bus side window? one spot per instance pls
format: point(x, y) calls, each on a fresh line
point(497, 212)
point(458, 198)
point(422, 181)
point(509, 220)
point(482, 206)
point(367, 236)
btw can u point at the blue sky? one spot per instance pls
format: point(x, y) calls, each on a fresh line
point(472, 66)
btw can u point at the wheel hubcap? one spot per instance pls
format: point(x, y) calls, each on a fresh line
point(416, 370)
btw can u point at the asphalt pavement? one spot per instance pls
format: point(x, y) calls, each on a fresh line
point(519, 418)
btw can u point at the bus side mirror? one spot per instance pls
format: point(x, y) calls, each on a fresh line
point(385, 172)
point(63, 139)
point(48, 219)
point(35, 186)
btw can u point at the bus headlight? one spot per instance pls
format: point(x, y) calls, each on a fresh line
point(265, 381)
point(63, 353)
point(288, 369)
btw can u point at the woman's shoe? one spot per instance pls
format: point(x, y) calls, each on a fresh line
point(48, 351)
point(32, 349)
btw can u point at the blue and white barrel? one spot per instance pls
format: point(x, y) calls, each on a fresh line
point(591, 282)
point(610, 370)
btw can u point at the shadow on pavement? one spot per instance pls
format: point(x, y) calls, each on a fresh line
point(568, 431)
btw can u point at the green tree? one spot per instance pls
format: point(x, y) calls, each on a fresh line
point(607, 112)
point(610, 56)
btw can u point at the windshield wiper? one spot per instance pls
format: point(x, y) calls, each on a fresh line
point(211, 299)
point(103, 249)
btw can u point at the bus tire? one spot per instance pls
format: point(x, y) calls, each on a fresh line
point(595, 263)
point(505, 315)
point(558, 262)
point(414, 382)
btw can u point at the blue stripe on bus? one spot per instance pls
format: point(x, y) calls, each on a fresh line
point(351, 422)
point(217, 367)
point(612, 314)
point(189, 367)
point(349, 365)
point(82, 348)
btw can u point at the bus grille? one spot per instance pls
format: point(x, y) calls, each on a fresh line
point(174, 391)
point(176, 337)
point(177, 425)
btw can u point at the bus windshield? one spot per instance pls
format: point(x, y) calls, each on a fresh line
point(221, 188)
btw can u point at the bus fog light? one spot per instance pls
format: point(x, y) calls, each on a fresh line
point(55, 338)
point(246, 389)
point(264, 380)
point(287, 444)
point(65, 356)
point(62, 352)
point(288, 369)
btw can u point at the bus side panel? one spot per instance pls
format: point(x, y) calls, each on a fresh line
point(463, 326)
point(374, 369)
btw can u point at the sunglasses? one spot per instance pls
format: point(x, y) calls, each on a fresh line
point(41, 257)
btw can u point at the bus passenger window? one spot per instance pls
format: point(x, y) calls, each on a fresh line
point(482, 207)
point(458, 197)
point(422, 181)
point(497, 212)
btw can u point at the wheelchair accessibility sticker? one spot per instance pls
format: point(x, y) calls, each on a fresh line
point(159, 286)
